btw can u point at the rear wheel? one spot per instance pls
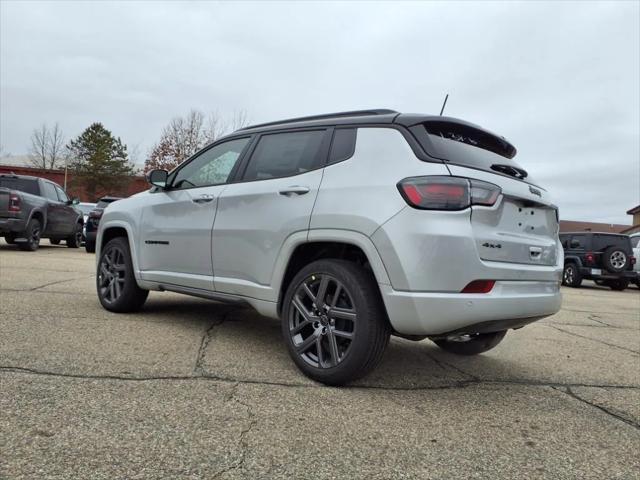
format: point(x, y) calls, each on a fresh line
point(32, 234)
point(75, 239)
point(334, 321)
point(471, 344)
point(116, 284)
point(571, 275)
point(618, 285)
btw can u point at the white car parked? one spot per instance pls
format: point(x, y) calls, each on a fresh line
point(348, 227)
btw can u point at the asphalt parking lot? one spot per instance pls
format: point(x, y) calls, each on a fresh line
point(193, 389)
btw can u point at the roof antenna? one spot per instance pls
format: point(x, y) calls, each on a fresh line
point(444, 104)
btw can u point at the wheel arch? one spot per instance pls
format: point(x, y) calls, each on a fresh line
point(114, 229)
point(325, 244)
point(573, 259)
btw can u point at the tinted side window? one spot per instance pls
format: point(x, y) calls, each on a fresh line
point(211, 167)
point(285, 154)
point(50, 192)
point(61, 195)
point(343, 145)
point(578, 241)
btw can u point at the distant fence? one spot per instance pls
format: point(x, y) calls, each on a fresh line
point(136, 184)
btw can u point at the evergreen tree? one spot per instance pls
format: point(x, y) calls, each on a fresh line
point(99, 162)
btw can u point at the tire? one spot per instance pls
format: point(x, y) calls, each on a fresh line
point(90, 247)
point(10, 239)
point(115, 282)
point(32, 233)
point(358, 314)
point(618, 285)
point(615, 259)
point(571, 275)
point(479, 343)
point(54, 241)
point(75, 239)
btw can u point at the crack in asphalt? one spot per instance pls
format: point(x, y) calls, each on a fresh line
point(243, 443)
point(634, 352)
point(567, 391)
point(198, 370)
point(33, 289)
point(206, 376)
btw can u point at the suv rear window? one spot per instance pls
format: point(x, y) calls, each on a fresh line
point(285, 154)
point(21, 184)
point(470, 147)
point(601, 242)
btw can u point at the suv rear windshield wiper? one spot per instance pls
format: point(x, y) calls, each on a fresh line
point(510, 170)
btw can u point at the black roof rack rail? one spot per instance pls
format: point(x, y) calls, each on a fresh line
point(354, 113)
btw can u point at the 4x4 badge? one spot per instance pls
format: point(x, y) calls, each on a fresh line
point(535, 191)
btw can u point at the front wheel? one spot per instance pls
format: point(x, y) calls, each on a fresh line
point(334, 321)
point(471, 344)
point(117, 288)
point(90, 246)
point(571, 275)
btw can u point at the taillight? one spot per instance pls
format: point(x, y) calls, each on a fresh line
point(14, 203)
point(479, 286)
point(589, 257)
point(447, 193)
point(633, 260)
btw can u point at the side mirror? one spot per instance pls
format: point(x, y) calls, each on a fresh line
point(158, 178)
point(73, 201)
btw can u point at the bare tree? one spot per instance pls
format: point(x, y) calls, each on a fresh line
point(56, 147)
point(38, 151)
point(47, 147)
point(184, 136)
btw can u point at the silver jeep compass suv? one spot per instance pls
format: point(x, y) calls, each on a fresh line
point(349, 227)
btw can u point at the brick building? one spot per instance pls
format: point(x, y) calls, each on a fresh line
point(19, 166)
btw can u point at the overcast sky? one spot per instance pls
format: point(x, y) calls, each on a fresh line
point(559, 80)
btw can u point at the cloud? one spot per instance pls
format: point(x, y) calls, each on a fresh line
point(559, 79)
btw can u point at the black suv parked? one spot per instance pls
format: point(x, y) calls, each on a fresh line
point(604, 257)
point(93, 221)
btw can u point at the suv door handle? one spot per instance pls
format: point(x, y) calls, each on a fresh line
point(294, 190)
point(203, 198)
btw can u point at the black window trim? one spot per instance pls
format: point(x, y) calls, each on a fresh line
point(324, 152)
point(173, 173)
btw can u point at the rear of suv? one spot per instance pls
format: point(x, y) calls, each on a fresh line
point(347, 227)
point(605, 258)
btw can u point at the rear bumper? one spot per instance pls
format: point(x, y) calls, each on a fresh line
point(12, 225)
point(510, 304)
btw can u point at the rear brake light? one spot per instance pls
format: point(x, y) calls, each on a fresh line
point(479, 286)
point(633, 260)
point(447, 193)
point(589, 257)
point(14, 203)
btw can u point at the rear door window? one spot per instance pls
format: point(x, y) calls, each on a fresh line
point(285, 154)
point(20, 184)
point(343, 144)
